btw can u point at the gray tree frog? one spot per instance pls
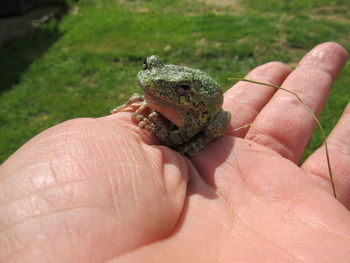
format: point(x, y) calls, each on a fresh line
point(183, 105)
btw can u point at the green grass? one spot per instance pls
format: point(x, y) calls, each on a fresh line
point(86, 63)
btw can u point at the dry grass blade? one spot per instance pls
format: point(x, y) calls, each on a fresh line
point(313, 115)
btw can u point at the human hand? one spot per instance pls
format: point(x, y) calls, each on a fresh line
point(103, 190)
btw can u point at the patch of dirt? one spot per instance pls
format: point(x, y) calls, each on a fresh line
point(223, 3)
point(134, 5)
point(223, 6)
point(331, 13)
point(203, 43)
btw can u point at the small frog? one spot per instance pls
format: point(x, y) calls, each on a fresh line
point(183, 105)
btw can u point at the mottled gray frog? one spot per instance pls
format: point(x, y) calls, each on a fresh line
point(183, 105)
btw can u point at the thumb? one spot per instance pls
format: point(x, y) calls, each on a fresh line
point(89, 185)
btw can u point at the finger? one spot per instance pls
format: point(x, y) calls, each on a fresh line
point(284, 125)
point(244, 100)
point(339, 147)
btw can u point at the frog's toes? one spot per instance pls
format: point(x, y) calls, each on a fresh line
point(135, 98)
point(139, 117)
point(153, 124)
point(144, 123)
point(193, 146)
point(153, 116)
point(147, 124)
point(188, 149)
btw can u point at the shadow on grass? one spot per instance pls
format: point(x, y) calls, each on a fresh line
point(17, 54)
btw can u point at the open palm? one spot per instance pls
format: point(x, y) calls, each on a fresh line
point(102, 190)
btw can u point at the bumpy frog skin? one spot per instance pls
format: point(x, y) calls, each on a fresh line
point(189, 98)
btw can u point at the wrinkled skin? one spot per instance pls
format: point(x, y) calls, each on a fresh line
point(103, 190)
point(188, 98)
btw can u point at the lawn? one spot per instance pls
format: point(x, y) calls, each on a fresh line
point(85, 63)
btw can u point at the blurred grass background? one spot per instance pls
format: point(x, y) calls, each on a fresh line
point(85, 63)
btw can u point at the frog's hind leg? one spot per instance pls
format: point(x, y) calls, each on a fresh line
point(135, 98)
point(193, 146)
point(216, 128)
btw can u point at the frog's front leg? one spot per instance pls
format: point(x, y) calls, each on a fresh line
point(168, 133)
point(216, 128)
point(136, 97)
point(177, 137)
point(153, 124)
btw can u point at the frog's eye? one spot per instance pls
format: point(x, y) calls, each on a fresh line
point(152, 62)
point(144, 63)
point(183, 89)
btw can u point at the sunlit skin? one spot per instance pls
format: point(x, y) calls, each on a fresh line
point(103, 190)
